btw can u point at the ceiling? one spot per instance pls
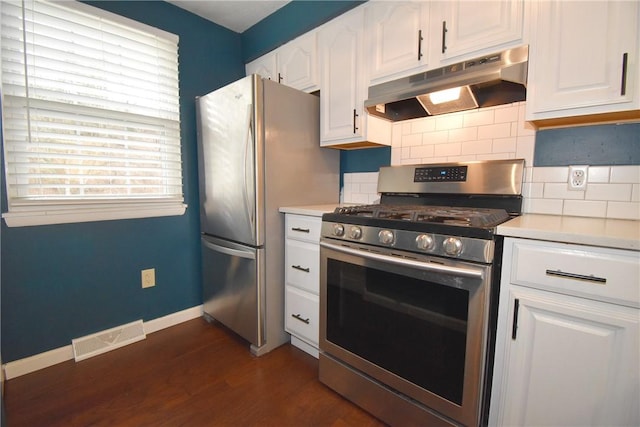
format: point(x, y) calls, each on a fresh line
point(236, 15)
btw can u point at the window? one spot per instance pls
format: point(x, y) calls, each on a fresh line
point(91, 119)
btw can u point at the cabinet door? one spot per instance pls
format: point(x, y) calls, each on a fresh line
point(466, 27)
point(342, 93)
point(570, 361)
point(398, 38)
point(265, 67)
point(584, 57)
point(297, 65)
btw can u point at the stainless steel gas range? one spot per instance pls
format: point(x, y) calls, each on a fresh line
point(408, 292)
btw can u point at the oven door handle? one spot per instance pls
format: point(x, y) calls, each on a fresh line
point(426, 266)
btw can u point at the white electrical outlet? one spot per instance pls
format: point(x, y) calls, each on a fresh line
point(578, 177)
point(148, 277)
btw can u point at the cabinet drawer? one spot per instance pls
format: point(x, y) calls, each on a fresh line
point(302, 265)
point(303, 227)
point(302, 314)
point(597, 273)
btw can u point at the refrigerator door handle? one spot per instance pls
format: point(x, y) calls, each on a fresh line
point(249, 254)
point(249, 167)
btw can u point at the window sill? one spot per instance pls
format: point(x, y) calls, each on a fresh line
point(70, 215)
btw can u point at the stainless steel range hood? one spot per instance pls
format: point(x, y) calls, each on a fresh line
point(481, 82)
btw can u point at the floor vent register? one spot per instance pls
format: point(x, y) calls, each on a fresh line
point(101, 342)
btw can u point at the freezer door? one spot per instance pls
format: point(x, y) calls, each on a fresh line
point(226, 161)
point(232, 287)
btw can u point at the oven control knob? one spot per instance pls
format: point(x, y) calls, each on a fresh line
point(386, 237)
point(338, 230)
point(452, 246)
point(425, 242)
point(355, 232)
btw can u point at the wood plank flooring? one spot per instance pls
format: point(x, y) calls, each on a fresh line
point(192, 374)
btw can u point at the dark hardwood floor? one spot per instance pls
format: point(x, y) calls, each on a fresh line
point(192, 374)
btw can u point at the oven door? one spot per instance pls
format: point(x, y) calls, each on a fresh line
point(417, 324)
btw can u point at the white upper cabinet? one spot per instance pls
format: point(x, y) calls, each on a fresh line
point(293, 64)
point(297, 63)
point(266, 66)
point(466, 28)
point(343, 80)
point(408, 37)
point(398, 38)
point(583, 59)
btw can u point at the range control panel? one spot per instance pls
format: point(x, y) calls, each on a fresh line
point(440, 174)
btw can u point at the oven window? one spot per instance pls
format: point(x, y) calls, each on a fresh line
point(411, 327)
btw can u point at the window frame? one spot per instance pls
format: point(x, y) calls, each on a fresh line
point(47, 212)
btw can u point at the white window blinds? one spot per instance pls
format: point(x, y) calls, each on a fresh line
point(90, 108)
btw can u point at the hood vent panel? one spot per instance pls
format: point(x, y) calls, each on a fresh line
point(488, 81)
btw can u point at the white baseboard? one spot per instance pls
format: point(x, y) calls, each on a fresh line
point(58, 355)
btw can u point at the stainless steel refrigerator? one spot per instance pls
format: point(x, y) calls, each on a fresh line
point(258, 150)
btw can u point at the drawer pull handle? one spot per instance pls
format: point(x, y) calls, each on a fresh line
point(297, 267)
point(297, 316)
point(591, 278)
point(301, 230)
point(623, 85)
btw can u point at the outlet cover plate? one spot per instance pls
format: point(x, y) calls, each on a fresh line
point(578, 177)
point(148, 277)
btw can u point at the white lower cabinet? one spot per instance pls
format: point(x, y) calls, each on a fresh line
point(302, 276)
point(563, 356)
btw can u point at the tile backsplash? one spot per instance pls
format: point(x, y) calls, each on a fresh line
point(500, 133)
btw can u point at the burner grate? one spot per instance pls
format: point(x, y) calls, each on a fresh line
point(459, 216)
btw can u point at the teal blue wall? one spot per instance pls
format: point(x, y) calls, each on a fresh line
point(64, 281)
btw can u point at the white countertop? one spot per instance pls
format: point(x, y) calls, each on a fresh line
point(311, 210)
point(612, 233)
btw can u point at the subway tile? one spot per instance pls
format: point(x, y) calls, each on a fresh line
point(428, 124)
point(396, 134)
point(347, 178)
point(495, 156)
point(628, 174)
point(452, 149)
point(463, 134)
point(623, 210)
point(369, 188)
point(449, 121)
point(525, 147)
point(396, 154)
point(550, 174)
point(438, 137)
point(358, 198)
point(366, 177)
point(635, 193)
point(554, 190)
point(615, 192)
point(543, 206)
point(598, 174)
point(506, 114)
point(499, 130)
point(479, 118)
point(477, 147)
point(406, 127)
point(588, 208)
point(435, 160)
point(533, 190)
point(412, 139)
point(528, 173)
point(467, 158)
point(504, 145)
point(422, 151)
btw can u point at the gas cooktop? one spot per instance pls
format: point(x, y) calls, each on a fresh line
point(459, 216)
